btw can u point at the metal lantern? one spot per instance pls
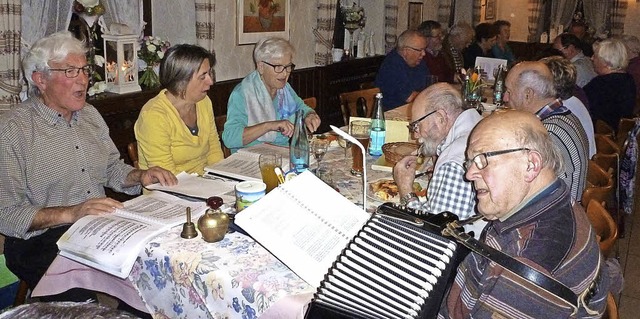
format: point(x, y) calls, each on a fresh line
point(120, 66)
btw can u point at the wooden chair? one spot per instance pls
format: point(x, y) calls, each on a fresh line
point(348, 102)
point(625, 125)
point(22, 294)
point(132, 151)
point(611, 311)
point(599, 185)
point(311, 102)
point(220, 120)
point(367, 85)
point(604, 225)
point(601, 127)
point(605, 144)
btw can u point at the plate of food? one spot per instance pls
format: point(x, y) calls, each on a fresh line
point(386, 190)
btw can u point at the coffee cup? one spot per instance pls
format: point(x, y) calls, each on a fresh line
point(337, 54)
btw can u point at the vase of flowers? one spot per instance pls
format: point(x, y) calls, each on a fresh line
point(472, 88)
point(151, 52)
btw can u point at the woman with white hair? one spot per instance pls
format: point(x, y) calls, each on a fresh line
point(262, 108)
point(633, 50)
point(612, 93)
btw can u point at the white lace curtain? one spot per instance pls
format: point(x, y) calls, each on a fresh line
point(562, 12)
point(9, 54)
point(205, 23)
point(390, 24)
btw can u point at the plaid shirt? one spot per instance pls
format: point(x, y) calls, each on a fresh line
point(448, 190)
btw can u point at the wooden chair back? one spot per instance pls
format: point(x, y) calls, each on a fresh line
point(611, 311)
point(608, 162)
point(132, 151)
point(311, 102)
point(604, 226)
point(624, 127)
point(367, 85)
point(348, 102)
point(606, 145)
point(220, 120)
point(599, 185)
point(601, 127)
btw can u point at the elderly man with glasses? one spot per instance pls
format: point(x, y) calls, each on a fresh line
point(513, 165)
point(56, 158)
point(442, 126)
point(403, 73)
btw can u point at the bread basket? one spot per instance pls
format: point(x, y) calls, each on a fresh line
point(393, 152)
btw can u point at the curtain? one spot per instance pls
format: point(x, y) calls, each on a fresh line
point(535, 12)
point(618, 14)
point(444, 13)
point(476, 12)
point(127, 12)
point(562, 12)
point(41, 18)
point(10, 11)
point(323, 32)
point(595, 13)
point(205, 23)
point(390, 24)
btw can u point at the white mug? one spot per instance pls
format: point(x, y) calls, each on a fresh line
point(337, 54)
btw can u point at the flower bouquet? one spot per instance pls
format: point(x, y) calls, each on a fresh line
point(472, 87)
point(151, 52)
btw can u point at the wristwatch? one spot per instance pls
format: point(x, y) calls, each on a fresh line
point(406, 199)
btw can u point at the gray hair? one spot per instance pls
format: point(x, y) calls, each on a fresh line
point(64, 310)
point(633, 45)
point(55, 47)
point(613, 52)
point(541, 84)
point(461, 29)
point(564, 75)
point(443, 96)
point(406, 35)
point(540, 141)
point(179, 64)
point(271, 48)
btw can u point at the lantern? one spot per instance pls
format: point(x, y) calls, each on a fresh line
point(120, 66)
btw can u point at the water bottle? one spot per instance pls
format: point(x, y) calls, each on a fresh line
point(499, 86)
point(378, 128)
point(299, 147)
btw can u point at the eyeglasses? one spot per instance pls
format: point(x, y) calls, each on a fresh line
point(481, 159)
point(413, 126)
point(279, 68)
point(73, 72)
point(415, 49)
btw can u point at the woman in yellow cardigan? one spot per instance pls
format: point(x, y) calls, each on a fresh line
point(176, 128)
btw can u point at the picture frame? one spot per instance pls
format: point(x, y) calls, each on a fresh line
point(490, 10)
point(414, 18)
point(257, 19)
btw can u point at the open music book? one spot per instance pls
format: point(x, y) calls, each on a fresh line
point(243, 165)
point(112, 242)
point(305, 223)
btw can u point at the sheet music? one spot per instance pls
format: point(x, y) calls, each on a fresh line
point(193, 185)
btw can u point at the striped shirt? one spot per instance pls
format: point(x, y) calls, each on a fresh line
point(571, 139)
point(46, 161)
point(548, 234)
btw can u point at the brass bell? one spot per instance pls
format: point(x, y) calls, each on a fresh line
point(189, 228)
point(213, 225)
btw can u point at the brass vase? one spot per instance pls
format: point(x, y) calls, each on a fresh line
point(213, 225)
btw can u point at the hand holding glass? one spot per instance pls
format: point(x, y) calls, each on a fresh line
point(268, 164)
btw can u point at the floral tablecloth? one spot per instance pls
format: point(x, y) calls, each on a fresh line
point(233, 278)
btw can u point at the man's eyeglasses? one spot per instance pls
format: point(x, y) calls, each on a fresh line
point(413, 126)
point(73, 72)
point(415, 49)
point(481, 159)
point(278, 68)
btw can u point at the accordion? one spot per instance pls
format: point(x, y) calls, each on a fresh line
point(397, 266)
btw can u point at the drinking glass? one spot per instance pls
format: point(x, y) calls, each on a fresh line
point(344, 144)
point(268, 163)
point(318, 149)
point(360, 130)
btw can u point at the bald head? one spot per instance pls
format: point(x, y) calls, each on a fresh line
point(519, 160)
point(529, 86)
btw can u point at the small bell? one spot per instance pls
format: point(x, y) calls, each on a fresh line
point(188, 228)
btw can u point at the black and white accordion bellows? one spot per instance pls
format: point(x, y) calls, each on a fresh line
point(393, 268)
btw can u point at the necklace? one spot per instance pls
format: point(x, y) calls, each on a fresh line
point(193, 130)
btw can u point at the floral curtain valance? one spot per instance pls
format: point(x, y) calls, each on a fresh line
point(10, 87)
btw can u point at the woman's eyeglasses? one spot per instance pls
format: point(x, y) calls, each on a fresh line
point(279, 68)
point(73, 72)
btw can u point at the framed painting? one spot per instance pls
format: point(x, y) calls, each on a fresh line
point(490, 10)
point(258, 19)
point(415, 15)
